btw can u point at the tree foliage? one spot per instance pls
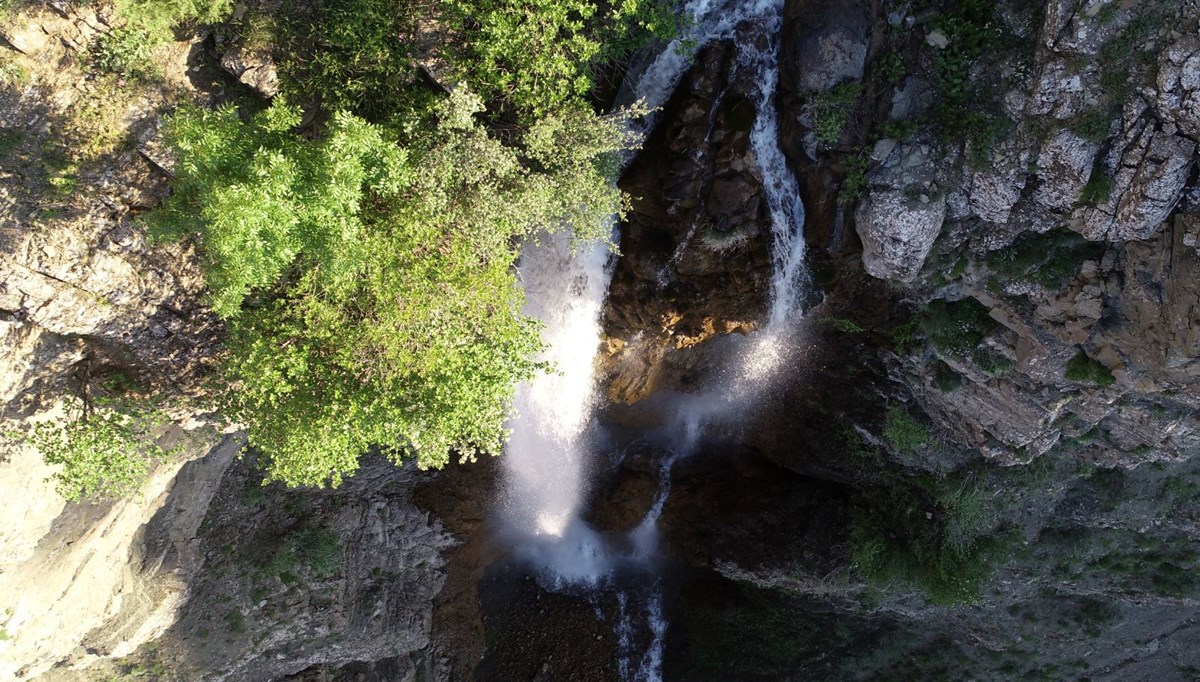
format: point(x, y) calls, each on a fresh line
point(369, 282)
point(104, 451)
point(540, 55)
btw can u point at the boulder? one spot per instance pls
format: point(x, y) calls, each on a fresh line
point(897, 232)
point(1178, 94)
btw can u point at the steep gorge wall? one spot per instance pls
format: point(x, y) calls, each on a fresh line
point(1027, 291)
point(202, 573)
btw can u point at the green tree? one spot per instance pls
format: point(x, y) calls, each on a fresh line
point(370, 286)
point(540, 55)
point(105, 451)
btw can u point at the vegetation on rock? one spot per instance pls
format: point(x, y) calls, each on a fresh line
point(1083, 368)
point(105, 451)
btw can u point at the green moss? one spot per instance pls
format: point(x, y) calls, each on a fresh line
point(1048, 259)
point(1084, 369)
point(839, 323)
point(992, 362)
point(855, 184)
point(1098, 190)
point(945, 378)
point(235, 622)
point(1093, 125)
point(832, 110)
point(903, 432)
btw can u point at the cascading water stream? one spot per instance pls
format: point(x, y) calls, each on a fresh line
point(546, 462)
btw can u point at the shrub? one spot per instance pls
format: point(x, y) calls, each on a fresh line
point(125, 51)
point(540, 55)
point(312, 549)
point(1084, 369)
point(903, 432)
point(156, 18)
point(940, 541)
point(105, 452)
point(955, 328)
point(831, 110)
point(369, 287)
point(357, 55)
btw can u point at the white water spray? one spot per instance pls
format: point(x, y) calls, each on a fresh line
point(545, 462)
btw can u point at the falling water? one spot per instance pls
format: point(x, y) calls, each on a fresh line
point(546, 460)
point(783, 192)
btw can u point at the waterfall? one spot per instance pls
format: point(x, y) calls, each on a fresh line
point(547, 455)
point(783, 191)
point(546, 461)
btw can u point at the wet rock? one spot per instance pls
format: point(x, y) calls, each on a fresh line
point(699, 224)
point(912, 99)
point(825, 43)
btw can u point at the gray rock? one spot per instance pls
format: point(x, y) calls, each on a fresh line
point(1087, 31)
point(1151, 174)
point(898, 232)
point(1064, 166)
point(1059, 92)
point(883, 149)
point(912, 99)
point(994, 191)
point(826, 43)
point(1178, 96)
point(254, 68)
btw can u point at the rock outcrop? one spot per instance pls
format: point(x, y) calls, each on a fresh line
point(202, 570)
point(899, 220)
point(699, 224)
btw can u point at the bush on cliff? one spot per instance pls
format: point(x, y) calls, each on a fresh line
point(369, 282)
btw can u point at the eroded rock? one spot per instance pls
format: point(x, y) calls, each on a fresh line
point(1151, 171)
point(1064, 166)
point(1178, 96)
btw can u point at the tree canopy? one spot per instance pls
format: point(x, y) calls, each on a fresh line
point(369, 280)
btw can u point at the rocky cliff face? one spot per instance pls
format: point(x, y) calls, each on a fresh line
point(203, 574)
point(1023, 285)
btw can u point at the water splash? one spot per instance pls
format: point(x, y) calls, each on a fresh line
point(545, 461)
